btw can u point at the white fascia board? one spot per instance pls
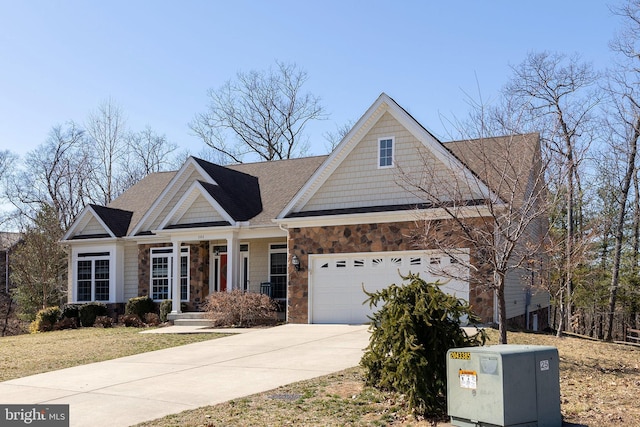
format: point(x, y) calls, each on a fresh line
point(383, 217)
point(76, 224)
point(346, 145)
point(176, 178)
point(216, 233)
point(196, 187)
point(366, 122)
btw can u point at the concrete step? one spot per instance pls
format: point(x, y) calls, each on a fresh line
point(187, 315)
point(192, 322)
point(192, 318)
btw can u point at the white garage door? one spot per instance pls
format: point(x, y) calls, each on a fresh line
point(336, 280)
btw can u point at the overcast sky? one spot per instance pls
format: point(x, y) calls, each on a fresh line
point(156, 59)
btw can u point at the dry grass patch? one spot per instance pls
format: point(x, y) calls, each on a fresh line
point(599, 385)
point(24, 355)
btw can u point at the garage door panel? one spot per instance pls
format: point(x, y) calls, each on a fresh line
point(336, 281)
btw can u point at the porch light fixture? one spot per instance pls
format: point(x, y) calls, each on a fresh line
point(296, 262)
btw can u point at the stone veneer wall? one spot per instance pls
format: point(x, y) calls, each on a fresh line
point(199, 265)
point(400, 236)
point(199, 271)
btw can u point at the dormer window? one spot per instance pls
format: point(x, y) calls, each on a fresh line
point(385, 152)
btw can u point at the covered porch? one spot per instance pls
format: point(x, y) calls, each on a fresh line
point(212, 262)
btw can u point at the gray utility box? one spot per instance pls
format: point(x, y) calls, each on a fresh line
point(504, 385)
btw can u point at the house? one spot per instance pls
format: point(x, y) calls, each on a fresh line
point(310, 231)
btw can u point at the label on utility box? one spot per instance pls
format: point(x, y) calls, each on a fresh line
point(468, 379)
point(460, 355)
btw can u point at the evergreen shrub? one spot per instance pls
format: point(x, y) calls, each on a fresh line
point(140, 306)
point(414, 326)
point(89, 311)
point(45, 319)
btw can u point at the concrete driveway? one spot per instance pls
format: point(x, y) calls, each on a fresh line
point(132, 389)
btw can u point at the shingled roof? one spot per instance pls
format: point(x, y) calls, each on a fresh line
point(247, 191)
point(139, 197)
point(238, 193)
point(117, 220)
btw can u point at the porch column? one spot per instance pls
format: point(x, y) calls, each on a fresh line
point(175, 279)
point(233, 262)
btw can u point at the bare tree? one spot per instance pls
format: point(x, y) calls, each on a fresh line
point(57, 173)
point(623, 122)
point(106, 132)
point(557, 95)
point(334, 138)
point(146, 152)
point(504, 228)
point(262, 113)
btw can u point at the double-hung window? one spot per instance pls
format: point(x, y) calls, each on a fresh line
point(93, 277)
point(385, 152)
point(162, 273)
point(278, 270)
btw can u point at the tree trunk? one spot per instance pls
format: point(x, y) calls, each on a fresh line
point(619, 230)
point(498, 278)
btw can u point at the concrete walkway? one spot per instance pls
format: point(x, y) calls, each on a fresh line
point(129, 390)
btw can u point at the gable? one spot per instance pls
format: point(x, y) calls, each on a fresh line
point(199, 211)
point(91, 227)
point(196, 208)
point(351, 178)
point(171, 196)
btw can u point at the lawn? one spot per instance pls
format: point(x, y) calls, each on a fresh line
point(599, 383)
point(23, 355)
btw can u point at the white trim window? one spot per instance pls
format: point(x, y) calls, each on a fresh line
point(278, 270)
point(161, 278)
point(93, 276)
point(386, 152)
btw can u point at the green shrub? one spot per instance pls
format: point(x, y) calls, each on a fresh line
point(89, 311)
point(166, 306)
point(45, 319)
point(140, 306)
point(240, 309)
point(410, 334)
point(71, 311)
point(165, 309)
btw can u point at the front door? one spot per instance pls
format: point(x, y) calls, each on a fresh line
point(222, 284)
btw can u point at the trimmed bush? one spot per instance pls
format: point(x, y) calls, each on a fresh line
point(45, 319)
point(71, 311)
point(140, 306)
point(89, 311)
point(241, 309)
point(415, 325)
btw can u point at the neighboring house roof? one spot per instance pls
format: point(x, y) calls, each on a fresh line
point(8, 240)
